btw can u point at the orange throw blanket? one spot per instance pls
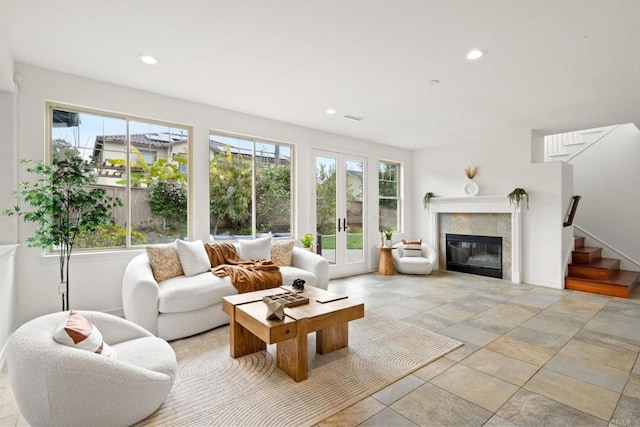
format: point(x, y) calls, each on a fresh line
point(246, 275)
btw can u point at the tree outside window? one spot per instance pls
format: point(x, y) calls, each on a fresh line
point(250, 187)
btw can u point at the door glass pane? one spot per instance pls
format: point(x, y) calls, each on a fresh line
point(355, 191)
point(326, 207)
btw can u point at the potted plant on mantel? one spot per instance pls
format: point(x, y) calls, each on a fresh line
point(517, 197)
point(426, 200)
point(63, 207)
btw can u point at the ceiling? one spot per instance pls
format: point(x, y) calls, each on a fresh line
point(550, 65)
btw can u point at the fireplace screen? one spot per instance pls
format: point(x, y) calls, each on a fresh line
point(480, 255)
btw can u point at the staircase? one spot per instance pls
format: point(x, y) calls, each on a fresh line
point(589, 272)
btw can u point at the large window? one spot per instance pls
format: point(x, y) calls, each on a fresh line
point(250, 187)
point(389, 203)
point(142, 163)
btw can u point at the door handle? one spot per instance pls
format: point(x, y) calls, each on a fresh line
point(344, 224)
point(339, 229)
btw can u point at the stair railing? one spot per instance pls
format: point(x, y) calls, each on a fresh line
point(572, 211)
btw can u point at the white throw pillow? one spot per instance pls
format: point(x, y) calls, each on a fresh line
point(78, 332)
point(255, 249)
point(193, 257)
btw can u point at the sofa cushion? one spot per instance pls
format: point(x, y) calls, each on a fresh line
point(184, 293)
point(164, 261)
point(289, 274)
point(281, 252)
point(255, 249)
point(193, 257)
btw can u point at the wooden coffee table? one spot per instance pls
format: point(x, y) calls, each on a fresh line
point(250, 331)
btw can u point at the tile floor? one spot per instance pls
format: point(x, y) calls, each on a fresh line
point(533, 356)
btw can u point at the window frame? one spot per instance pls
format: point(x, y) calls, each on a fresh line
point(398, 198)
point(50, 106)
point(257, 140)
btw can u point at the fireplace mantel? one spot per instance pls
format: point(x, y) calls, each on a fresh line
point(474, 204)
point(479, 204)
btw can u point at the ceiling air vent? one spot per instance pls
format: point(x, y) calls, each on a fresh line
point(352, 117)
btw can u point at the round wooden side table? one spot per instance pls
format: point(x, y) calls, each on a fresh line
point(386, 261)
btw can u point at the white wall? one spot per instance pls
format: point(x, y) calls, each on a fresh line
point(503, 164)
point(606, 176)
point(7, 295)
point(6, 61)
point(8, 233)
point(95, 280)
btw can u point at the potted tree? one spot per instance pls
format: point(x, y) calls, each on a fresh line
point(63, 205)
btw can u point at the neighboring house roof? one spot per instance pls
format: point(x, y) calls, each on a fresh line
point(156, 140)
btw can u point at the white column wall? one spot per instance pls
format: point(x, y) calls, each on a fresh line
point(503, 164)
point(96, 278)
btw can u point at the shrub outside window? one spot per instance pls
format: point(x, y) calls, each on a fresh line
point(250, 187)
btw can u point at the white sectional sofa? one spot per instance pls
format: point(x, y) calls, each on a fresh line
point(182, 306)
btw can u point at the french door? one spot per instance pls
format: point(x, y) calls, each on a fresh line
point(340, 200)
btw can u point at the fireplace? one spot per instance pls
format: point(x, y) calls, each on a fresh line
point(480, 255)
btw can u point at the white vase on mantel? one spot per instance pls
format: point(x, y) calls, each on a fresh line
point(471, 188)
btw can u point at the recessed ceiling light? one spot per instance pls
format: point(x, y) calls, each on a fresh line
point(330, 111)
point(475, 54)
point(148, 59)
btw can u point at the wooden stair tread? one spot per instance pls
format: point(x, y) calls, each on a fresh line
point(621, 285)
point(587, 250)
point(602, 263)
point(619, 278)
point(578, 242)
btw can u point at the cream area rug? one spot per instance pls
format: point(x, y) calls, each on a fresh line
point(214, 389)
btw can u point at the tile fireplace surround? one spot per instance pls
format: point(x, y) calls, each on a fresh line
point(478, 215)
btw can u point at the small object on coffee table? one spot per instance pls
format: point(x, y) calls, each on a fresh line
point(275, 310)
point(298, 284)
point(287, 299)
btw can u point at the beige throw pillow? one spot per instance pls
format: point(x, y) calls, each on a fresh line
point(164, 261)
point(281, 252)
